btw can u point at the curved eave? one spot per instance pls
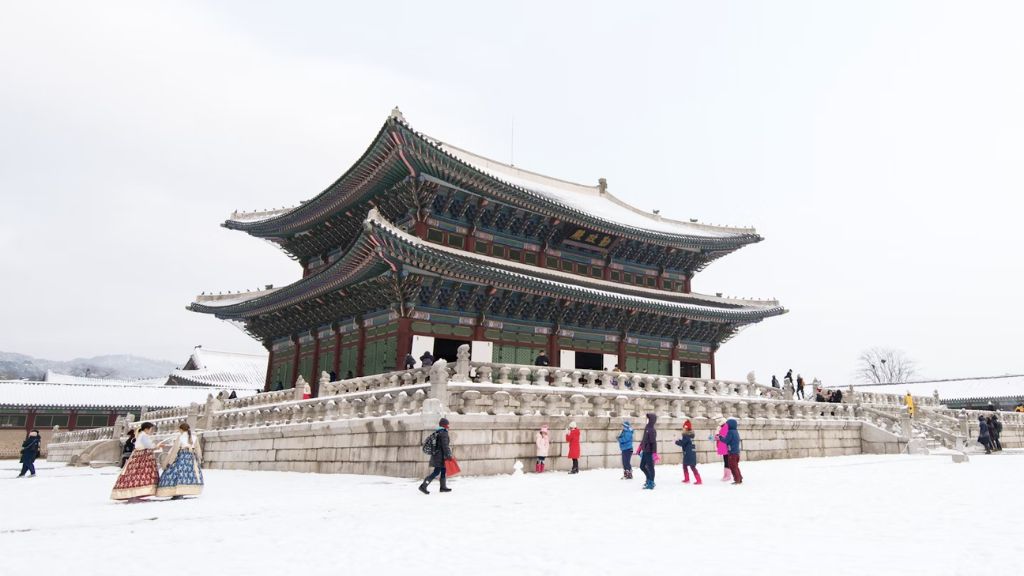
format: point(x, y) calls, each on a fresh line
point(386, 148)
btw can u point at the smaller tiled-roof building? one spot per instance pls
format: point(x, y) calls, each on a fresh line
point(75, 402)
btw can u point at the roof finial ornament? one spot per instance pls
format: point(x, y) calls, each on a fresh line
point(397, 114)
point(602, 186)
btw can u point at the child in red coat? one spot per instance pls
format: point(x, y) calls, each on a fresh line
point(572, 436)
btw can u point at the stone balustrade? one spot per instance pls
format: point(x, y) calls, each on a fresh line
point(87, 435)
point(545, 400)
point(881, 399)
point(397, 379)
point(380, 402)
point(544, 376)
point(165, 413)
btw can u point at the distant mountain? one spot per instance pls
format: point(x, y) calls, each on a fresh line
point(118, 366)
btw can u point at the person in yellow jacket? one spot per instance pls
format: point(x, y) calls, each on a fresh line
point(909, 401)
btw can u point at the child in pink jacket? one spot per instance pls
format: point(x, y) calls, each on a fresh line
point(543, 442)
point(722, 448)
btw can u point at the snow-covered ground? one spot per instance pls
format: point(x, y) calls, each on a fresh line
point(863, 515)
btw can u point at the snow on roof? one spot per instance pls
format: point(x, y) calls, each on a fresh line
point(232, 298)
point(957, 388)
point(58, 378)
point(223, 370)
point(57, 394)
point(589, 199)
point(257, 215)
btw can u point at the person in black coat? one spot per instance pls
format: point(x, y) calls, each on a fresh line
point(29, 453)
point(410, 361)
point(983, 436)
point(648, 446)
point(542, 359)
point(775, 382)
point(442, 451)
point(128, 448)
point(995, 432)
point(427, 360)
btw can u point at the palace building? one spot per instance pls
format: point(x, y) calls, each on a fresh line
point(422, 246)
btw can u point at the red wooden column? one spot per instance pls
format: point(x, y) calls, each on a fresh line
point(111, 417)
point(270, 366)
point(30, 420)
point(295, 361)
point(673, 356)
point(554, 351)
point(314, 381)
point(337, 353)
point(421, 229)
point(622, 351)
point(687, 285)
point(72, 419)
point(361, 349)
point(404, 342)
point(712, 358)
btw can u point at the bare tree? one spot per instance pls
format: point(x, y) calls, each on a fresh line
point(885, 366)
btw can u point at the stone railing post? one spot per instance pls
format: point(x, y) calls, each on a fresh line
point(485, 374)
point(193, 416)
point(213, 405)
point(500, 403)
point(323, 385)
point(787, 390)
point(462, 364)
point(438, 401)
point(300, 387)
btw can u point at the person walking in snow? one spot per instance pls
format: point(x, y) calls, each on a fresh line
point(439, 454)
point(732, 440)
point(427, 359)
point(908, 400)
point(128, 448)
point(29, 453)
point(689, 453)
point(625, 439)
point(648, 447)
point(722, 449)
point(800, 387)
point(995, 432)
point(543, 442)
point(775, 382)
point(182, 475)
point(140, 475)
point(983, 435)
point(572, 436)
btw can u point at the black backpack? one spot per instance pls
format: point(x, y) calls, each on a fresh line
point(430, 443)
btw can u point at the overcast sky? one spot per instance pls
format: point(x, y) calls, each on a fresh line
point(876, 146)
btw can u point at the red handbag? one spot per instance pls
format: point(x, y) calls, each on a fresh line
point(451, 467)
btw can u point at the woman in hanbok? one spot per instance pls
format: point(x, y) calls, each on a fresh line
point(182, 476)
point(140, 475)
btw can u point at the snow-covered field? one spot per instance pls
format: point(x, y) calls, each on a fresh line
point(864, 515)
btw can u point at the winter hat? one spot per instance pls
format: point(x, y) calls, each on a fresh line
point(625, 424)
point(572, 424)
point(544, 428)
point(443, 423)
point(687, 425)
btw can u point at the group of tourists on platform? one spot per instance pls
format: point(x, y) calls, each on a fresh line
point(140, 475)
point(989, 429)
point(727, 441)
